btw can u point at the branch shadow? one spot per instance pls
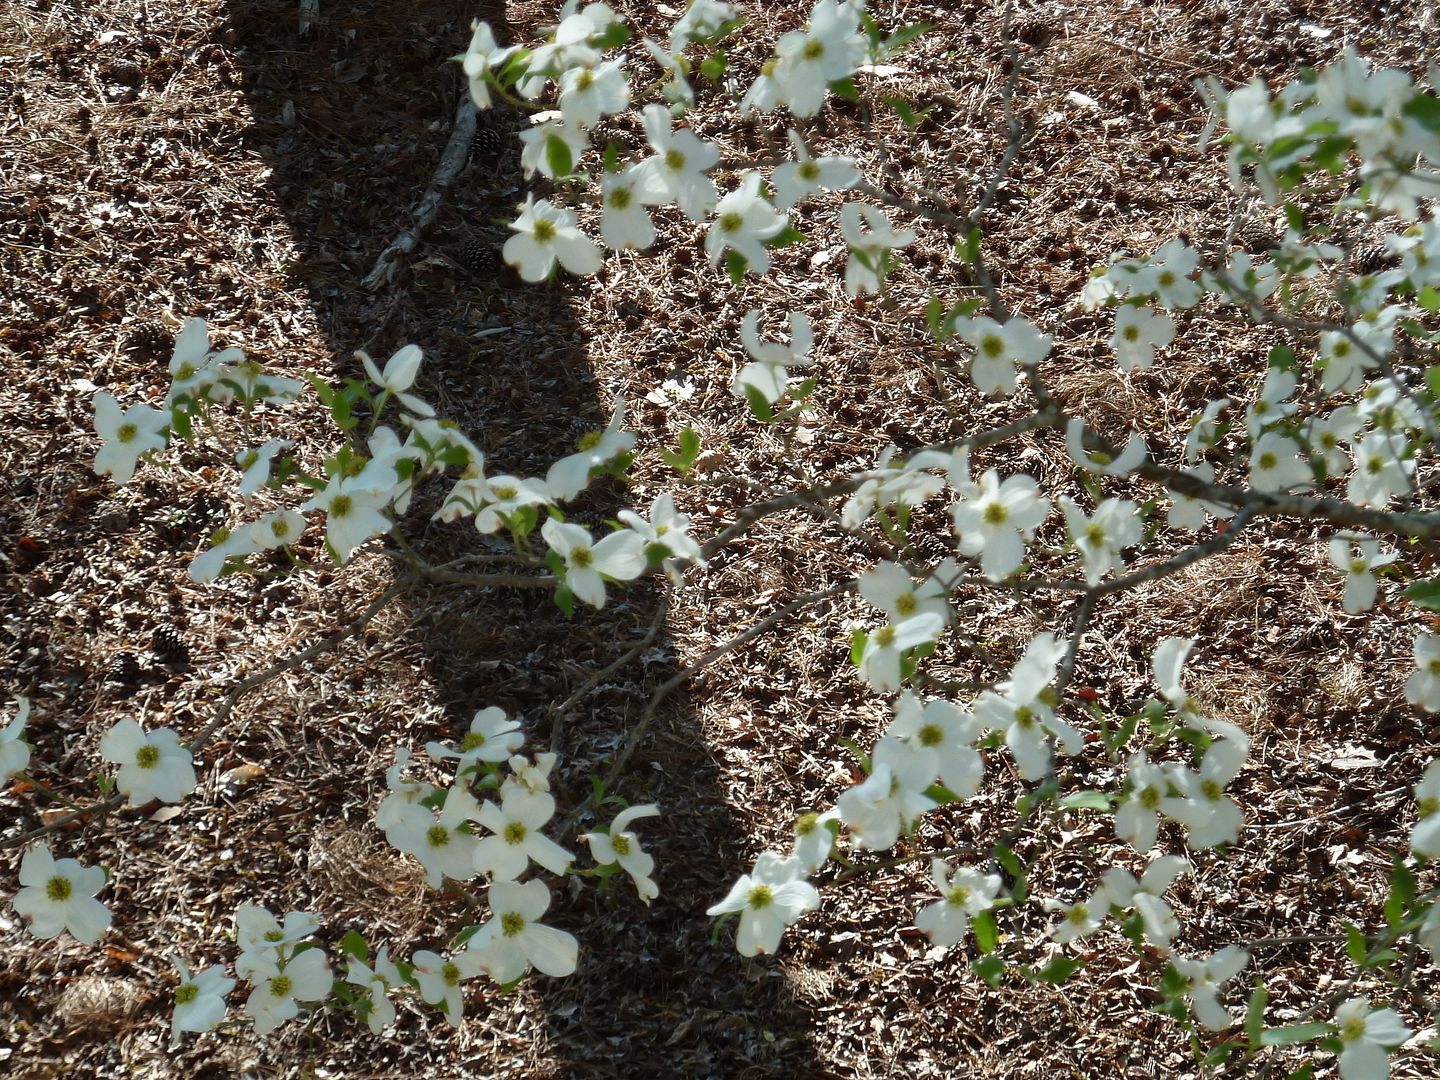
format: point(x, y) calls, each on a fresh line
point(351, 124)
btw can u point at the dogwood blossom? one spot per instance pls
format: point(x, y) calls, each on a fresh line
point(892, 799)
point(398, 376)
point(482, 57)
point(965, 893)
point(1139, 331)
point(769, 372)
point(1209, 815)
point(153, 765)
point(1204, 979)
point(744, 220)
point(14, 751)
point(771, 897)
point(492, 737)
point(544, 233)
point(1366, 1037)
point(375, 984)
point(1020, 707)
point(619, 556)
point(947, 732)
point(809, 60)
point(676, 172)
point(1167, 275)
point(1145, 896)
point(279, 528)
point(255, 464)
point(439, 980)
point(59, 894)
point(1382, 471)
point(1137, 818)
point(1425, 838)
point(552, 147)
point(815, 835)
point(885, 648)
point(618, 845)
point(1100, 537)
point(1275, 464)
point(1359, 557)
point(517, 839)
point(870, 238)
point(667, 529)
point(624, 222)
point(568, 476)
point(587, 94)
point(1080, 919)
point(1189, 513)
point(998, 520)
point(193, 367)
point(199, 999)
point(1202, 433)
point(890, 587)
point(1326, 435)
point(513, 941)
point(1273, 403)
point(702, 19)
point(352, 506)
point(403, 792)
point(794, 180)
point(127, 435)
point(998, 348)
point(1127, 462)
point(499, 497)
point(444, 845)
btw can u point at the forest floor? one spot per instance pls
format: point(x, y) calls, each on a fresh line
point(159, 162)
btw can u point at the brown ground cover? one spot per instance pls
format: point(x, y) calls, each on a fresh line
point(159, 161)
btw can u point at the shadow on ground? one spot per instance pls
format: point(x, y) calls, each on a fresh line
point(352, 124)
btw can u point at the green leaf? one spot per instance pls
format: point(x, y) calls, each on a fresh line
point(610, 160)
point(904, 36)
point(612, 37)
point(987, 934)
point(1009, 861)
point(760, 409)
point(713, 66)
point(558, 156)
point(1221, 1052)
point(846, 89)
point(1255, 1013)
point(1429, 299)
point(990, 969)
point(1294, 1034)
point(1293, 217)
point(858, 640)
point(354, 944)
point(1426, 109)
point(1425, 594)
point(1355, 945)
point(1058, 970)
point(1282, 357)
point(565, 600)
point(1402, 892)
point(683, 460)
point(911, 117)
point(735, 266)
point(1085, 800)
point(862, 759)
point(941, 795)
point(1304, 1072)
point(968, 248)
point(785, 237)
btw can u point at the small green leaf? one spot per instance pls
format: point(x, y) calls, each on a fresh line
point(1058, 970)
point(760, 408)
point(558, 156)
point(786, 236)
point(354, 944)
point(1402, 892)
point(1221, 1052)
point(1255, 1013)
point(1426, 109)
point(987, 934)
point(1425, 594)
point(1304, 1072)
point(565, 600)
point(612, 37)
point(735, 266)
point(1085, 800)
point(1355, 944)
point(1282, 357)
point(713, 66)
point(846, 89)
point(1293, 1034)
point(902, 37)
point(1429, 299)
point(610, 160)
point(990, 969)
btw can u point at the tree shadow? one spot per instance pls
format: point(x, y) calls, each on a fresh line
point(352, 124)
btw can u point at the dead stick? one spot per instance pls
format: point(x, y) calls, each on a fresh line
point(462, 134)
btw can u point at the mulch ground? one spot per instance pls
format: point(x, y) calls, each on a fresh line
point(159, 161)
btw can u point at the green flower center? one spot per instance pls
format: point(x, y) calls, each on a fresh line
point(1078, 914)
point(807, 823)
point(437, 836)
point(506, 493)
point(996, 514)
point(1165, 278)
point(674, 160)
point(341, 506)
point(621, 844)
point(126, 433)
point(582, 558)
point(1131, 333)
point(808, 171)
point(731, 222)
point(1095, 535)
point(147, 757)
point(1212, 789)
point(512, 923)
point(590, 440)
point(186, 994)
point(1268, 460)
point(515, 833)
point(1352, 1029)
point(930, 735)
point(280, 986)
point(1150, 798)
point(585, 79)
point(905, 603)
point(621, 198)
point(759, 897)
point(544, 230)
point(813, 49)
point(473, 740)
point(450, 973)
point(992, 345)
point(885, 636)
point(58, 889)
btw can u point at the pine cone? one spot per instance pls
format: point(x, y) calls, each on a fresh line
point(487, 146)
point(124, 670)
point(480, 257)
point(1034, 30)
point(168, 645)
point(1371, 257)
